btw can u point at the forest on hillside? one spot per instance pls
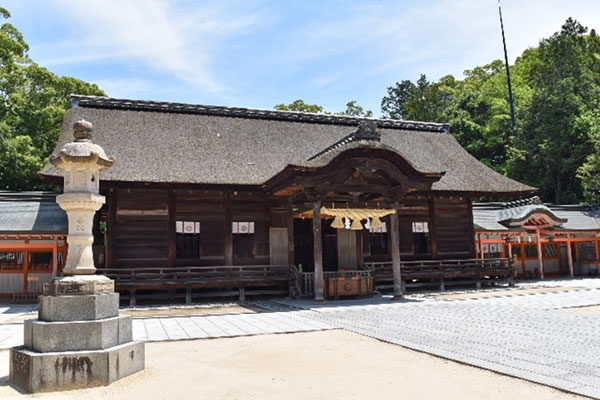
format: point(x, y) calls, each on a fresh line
point(555, 146)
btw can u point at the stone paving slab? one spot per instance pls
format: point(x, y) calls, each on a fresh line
point(199, 327)
point(526, 336)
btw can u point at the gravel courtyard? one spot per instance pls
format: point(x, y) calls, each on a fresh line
point(547, 332)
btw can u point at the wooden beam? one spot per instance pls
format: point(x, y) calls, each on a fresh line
point(171, 231)
point(396, 268)
point(540, 253)
point(318, 252)
point(228, 234)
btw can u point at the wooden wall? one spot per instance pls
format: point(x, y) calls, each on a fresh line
point(140, 228)
point(454, 228)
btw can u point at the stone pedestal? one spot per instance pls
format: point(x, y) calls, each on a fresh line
point(79, 340)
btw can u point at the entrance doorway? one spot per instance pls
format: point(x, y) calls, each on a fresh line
point(346, 249)
point(339, 246)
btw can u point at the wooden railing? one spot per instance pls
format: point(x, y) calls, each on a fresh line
point(185, 276)
point(305, 281)
point(442, 272)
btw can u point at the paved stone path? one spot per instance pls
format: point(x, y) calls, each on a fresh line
point(530, 336)
point(526, 336)
point(197, 327)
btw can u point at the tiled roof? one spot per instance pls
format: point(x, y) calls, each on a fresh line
point(31, 212)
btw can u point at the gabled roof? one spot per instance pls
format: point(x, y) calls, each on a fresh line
point(31, 212)
point(197, 144)
point(498, 217)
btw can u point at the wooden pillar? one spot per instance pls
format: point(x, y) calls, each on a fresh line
point(479, 235)
point(432, 228)
point(290, 232)
point(396, 267)
point(569, 255)
point(596, 255)
point(318, 252)
point(55, 258)
point(111, 229)
point(228, 235)
point(523, 268)
point(25, 269)
point(359, 247)
point(540, 253)
point(171, 231)
point(471, 225)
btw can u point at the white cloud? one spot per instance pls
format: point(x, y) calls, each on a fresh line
point(172, 40)
point(436, 37)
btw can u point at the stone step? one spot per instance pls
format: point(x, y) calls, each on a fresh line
point(47, 337)
point(78, 307)
point(46, 372)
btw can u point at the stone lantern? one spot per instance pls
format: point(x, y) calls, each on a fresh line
point(82, 162)
point(79, 339)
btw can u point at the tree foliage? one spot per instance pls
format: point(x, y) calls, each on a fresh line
point(299, 105)
point(352, 108)
point(33, 101)
point(556, 90)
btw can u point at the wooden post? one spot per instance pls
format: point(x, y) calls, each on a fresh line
point(596, 254)
point(228, 234)
point(432, 228)
point(569, 255)
point(396, 267)
point(523, 268)
point(540, 253)
point(471, 225)
point(359, 248)
point(290, 232)
point(171, 231)
point(111, 229)
point(480, 246)
point(55, 258)
point(25, 270)
point(318, 252)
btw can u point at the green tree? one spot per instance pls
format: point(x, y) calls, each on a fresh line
point(33, 101)
point(299, 105)
point(554, 139)
point(556, 90)
point(354, 110)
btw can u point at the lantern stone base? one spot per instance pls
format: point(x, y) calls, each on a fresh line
point(100, 334)
point(79, 339)
point(78, 308)
point(47, 372)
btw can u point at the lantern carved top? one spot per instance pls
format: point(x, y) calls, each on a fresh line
point(82, 150)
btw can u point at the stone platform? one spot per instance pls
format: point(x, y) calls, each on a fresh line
point(79, 339)
point(45, 372)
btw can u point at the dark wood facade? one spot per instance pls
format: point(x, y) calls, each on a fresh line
point(234, 199)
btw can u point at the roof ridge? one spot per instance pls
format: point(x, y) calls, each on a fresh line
point(241, 112)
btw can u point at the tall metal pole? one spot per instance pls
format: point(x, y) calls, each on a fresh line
point(513, 118)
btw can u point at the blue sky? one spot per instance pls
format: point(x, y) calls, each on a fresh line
point(260, 53)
